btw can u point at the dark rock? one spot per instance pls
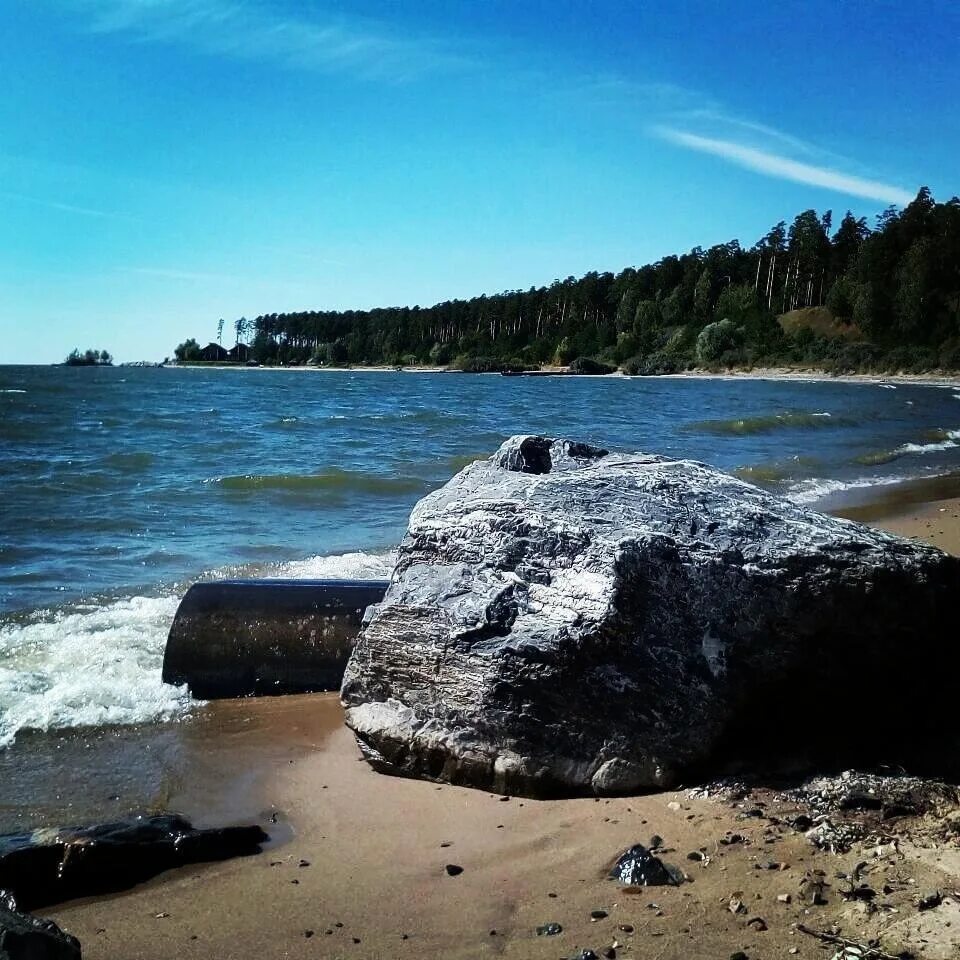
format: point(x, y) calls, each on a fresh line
point(453, 870)
point(609, 953)
point(625, 928)
point(23, 937)
point(49, 866)
point(739, 955)
point(598, 914)
point(929, 901)
point(566, 621)
point(549, 930)
point(638, 867)
point(586, 954)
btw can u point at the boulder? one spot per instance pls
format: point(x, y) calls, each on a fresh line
point(567, 621)
point(23, 937)
point(52, 865)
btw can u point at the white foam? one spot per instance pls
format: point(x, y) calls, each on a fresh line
point(87, 667)
point(343, 566)
point(811, 491)
point(951, 441)
point(13, 391)
point(100, 664)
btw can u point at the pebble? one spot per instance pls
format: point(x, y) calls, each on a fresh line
point(739, 955)
point(596, 915)
point(784, 897)
point(673, 805)
point(453, 869)
point(308, 933)
point(549, 930)
point(625, 928)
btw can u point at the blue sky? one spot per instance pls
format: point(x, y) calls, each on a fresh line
point(164, 163)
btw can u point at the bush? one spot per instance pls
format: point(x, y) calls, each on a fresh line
point(950, 354)
point(910, 360)
point(584, 365)
point(856, 358)
point(715, 339)
point(652, 365)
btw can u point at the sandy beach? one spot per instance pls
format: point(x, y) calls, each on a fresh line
point(363, 874)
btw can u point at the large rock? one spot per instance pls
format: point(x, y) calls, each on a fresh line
point(563, 620)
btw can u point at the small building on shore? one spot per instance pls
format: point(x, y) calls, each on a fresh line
point(213, 352)
point(240, 353)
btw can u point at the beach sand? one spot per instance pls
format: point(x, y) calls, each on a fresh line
point(363, 875)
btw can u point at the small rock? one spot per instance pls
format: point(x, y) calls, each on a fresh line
point(308, 933)
point(784, 897)
point(549, 930)
point(596, 915)
point(453, 870)
point(758, 923)
point(739, 955)
point(625, 928)
point(735, 905)
point(673, 805)
point(929, 901)
point(609, 953)
point(656, 842)
point(586, 954)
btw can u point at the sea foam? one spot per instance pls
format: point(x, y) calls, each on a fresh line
point(99, 664)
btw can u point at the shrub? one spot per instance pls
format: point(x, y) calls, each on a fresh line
point(584, 365)
point(715, 339)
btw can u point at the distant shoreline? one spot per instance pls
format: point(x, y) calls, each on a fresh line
point(758, 373)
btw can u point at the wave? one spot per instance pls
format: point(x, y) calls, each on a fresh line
point(331, 481)
point(87, 667)
point(935, 441)
point(131, 462)
point(806, 492)
point(767, 423)
point(99, 663)
point(12, 390)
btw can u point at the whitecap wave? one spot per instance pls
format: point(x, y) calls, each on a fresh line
point(87, 666)
point(816, 489)
point(100, 664)
point(951, 439)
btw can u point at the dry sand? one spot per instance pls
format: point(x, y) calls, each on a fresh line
point(364, 873)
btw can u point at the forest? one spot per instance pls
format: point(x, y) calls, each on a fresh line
point(842, 297)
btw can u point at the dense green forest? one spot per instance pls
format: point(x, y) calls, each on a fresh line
point(841, 297)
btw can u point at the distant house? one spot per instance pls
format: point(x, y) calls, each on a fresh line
point(240, 353)
point(213, 352)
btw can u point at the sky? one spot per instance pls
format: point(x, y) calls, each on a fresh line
point(166, 163)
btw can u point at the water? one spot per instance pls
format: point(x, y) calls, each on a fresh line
point(121, 486)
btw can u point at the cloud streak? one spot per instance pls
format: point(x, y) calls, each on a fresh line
point(65, 207)
point(784, 168)
point(255, 32)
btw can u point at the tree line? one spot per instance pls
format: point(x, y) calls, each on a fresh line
point(841, 297)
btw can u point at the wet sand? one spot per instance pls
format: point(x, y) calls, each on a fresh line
point(364, 872)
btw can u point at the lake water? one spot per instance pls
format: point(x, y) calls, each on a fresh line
point(119, 487)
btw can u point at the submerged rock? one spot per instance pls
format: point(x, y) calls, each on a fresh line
point(52, 865)
point(23, 937)
point(563, 620)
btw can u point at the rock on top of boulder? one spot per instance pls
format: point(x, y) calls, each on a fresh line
point(565, 620)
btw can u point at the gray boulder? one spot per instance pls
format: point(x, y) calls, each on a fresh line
point(563, 620)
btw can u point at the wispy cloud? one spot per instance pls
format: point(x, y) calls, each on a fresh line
point(254, 31)
point(784, 167)
point(190, 276)
point(65, 207)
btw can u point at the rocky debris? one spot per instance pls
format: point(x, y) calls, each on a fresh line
point(889, 795)
point(53, 865)
point(637, 866)
point(566, 621)
point(24, 937)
